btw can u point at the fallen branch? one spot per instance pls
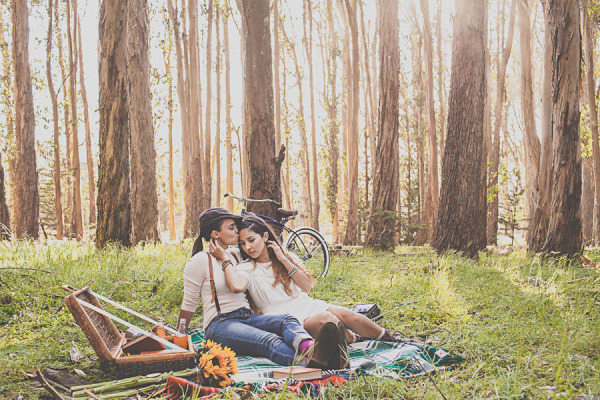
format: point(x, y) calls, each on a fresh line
point(49, 387)
point(577, 280)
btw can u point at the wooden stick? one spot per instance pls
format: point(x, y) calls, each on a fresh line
point(49, 387)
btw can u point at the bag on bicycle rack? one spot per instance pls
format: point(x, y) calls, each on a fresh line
point(369, 310)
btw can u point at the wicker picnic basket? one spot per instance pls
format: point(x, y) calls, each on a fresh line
point(107, 341)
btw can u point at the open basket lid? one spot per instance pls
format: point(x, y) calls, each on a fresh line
point(103, 335)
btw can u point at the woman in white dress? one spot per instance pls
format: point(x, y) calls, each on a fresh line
point(279, 283)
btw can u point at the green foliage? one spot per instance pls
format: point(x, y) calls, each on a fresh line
point(529, 328)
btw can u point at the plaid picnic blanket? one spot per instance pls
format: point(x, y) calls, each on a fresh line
point(382, 359)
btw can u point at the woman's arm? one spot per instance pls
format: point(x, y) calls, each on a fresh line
point(237, 283)
point(301, 279)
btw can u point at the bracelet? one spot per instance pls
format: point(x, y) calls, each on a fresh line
point(226, 264)
point(292, 271)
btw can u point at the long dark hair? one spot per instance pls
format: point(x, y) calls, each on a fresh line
point(258, 225)
point(205, 234)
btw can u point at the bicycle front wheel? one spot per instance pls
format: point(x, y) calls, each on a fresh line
point(311, 248)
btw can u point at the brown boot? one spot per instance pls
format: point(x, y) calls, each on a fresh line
point(340, 359)
point(324, 346)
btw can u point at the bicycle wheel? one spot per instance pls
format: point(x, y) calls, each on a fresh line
point(311, 248)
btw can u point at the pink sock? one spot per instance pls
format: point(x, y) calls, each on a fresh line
point(305, 345)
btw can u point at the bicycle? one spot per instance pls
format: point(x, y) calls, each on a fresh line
point(305, 242)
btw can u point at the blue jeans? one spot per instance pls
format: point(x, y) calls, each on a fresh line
point(276, 337)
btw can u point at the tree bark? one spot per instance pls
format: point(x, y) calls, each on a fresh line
point(532, 142)
point(144, 196)
point(304, 152)
point(67, 212)
point(88, 136)
point(76, 209)
point(461, 218)
point(494, 161)
point(382, 223)
point(218, 132)
point(352, 232)
point(265, 165)
point(308, 42)
point(228, 123)
point(564, 228)
point(588, 45)
point(543, 197)
point(332, 154)
point(431, 127)
point(442, 114)
point(4, 213)
point(55, 118)
point(187, 91)
point(27, 201)
point(114, 203)
point(587, 201)
point(207, 174)
point(167, 60)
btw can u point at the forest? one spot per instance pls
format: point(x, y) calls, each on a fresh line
point(313, 117)
point(446, 152)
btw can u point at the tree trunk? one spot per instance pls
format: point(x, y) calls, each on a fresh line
point(187, 91)
point(494, 161)
point(332, 154)
point(532, 142)
point(88, 136)
point(7, 98)
point(56, 143)
point(304, 157)
point(27, 201)
point(68, 212)
point(167, 60)
point(76, 209)
point(442, 114)
point(218, 132)
point(144, 196)
point(4, 214)
point(543, 197)
point(207, 174)
point(587, 201)
point(564, 228)
point(431, 127)
point(313, 130)
point(461, 218)
point(382, 223)
point(114, 203)
point(265, 165)
point(228, 123)
point(588, 45)
point(352, 230)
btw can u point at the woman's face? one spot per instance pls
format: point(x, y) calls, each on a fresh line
point(228, 235)
point(252, 243)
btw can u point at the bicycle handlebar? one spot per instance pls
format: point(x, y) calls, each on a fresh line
point(246, 199)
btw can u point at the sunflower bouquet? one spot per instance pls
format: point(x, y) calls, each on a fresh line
point(217, 364)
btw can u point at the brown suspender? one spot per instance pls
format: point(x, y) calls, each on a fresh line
point(236, 259)
point(213, 289)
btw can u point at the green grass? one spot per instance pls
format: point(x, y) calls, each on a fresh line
point(529, 328)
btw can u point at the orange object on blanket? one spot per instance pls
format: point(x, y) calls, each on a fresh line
point(177, 387)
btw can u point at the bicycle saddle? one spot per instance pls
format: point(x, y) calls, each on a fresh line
point(287, 213)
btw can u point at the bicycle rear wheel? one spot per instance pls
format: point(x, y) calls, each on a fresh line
point(311, 248)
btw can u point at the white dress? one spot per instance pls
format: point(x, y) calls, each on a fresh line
point(274, 300)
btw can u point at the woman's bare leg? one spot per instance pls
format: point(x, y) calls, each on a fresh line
point(355, 322)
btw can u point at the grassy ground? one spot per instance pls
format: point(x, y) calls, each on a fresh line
point(530, 329)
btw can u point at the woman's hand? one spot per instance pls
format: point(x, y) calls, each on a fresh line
point(217, 251)
point(277, 250)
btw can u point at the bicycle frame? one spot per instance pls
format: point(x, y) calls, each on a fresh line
point(269, 220)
